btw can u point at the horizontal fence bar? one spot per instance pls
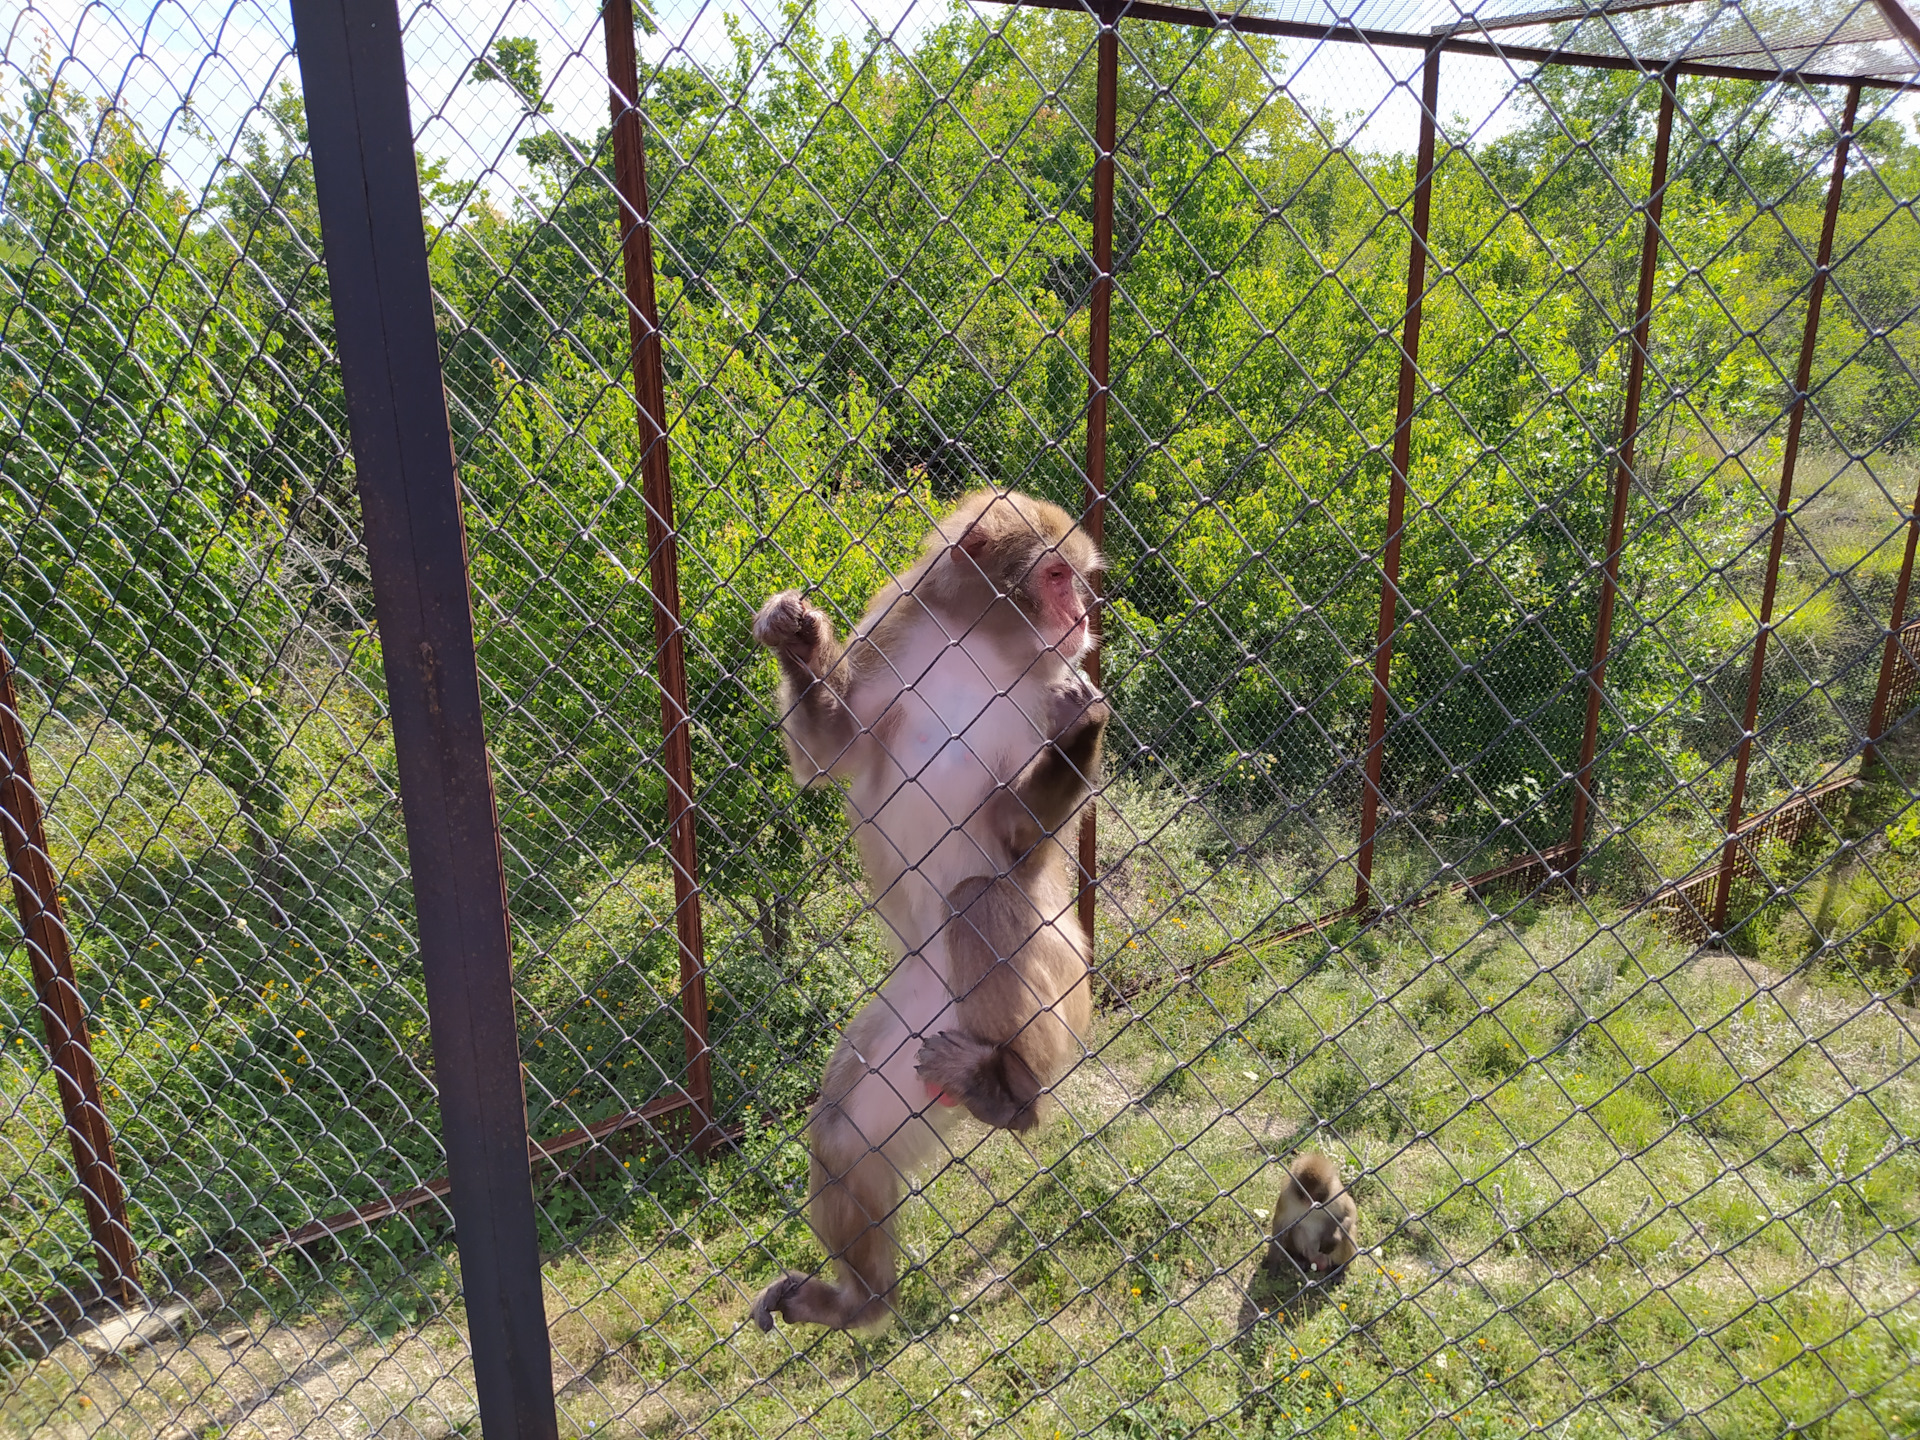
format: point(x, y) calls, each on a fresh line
point(1686, 902)
point(401, 1201)
point(1407, 40)
point(1558, 14)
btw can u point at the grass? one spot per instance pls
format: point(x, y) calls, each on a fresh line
point(1608, 1188)
point(254, 1064)
point(1849, 515)
point(264, 1048)
point(1608, 1184)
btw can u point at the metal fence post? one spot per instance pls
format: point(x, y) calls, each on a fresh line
point(1397, 485)
point(1622, 479)
point(63, 1012)
point(1893, 654)
point(367, 186)
point(1100, 310)
point(670, 664)
point(1796, 419)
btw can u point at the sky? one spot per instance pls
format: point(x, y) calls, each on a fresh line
point(218, 61)
point(193, 72)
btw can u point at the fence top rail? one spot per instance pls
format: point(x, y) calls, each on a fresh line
point(1874, 44)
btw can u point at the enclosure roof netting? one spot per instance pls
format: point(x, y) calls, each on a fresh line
point(1866, 39)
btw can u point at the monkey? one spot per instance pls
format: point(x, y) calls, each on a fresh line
point(965, 737)
point(1316, 1224)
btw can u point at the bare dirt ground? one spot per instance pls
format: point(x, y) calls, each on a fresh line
point(261, 1382)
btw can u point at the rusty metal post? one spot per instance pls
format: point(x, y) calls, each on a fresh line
point(1099, 314)
point(663, 552)
point(1891, 656)
point(63, 1013)
point(1796, 420)
point(1397, 485)
point(368, 189)
point(1622, 479)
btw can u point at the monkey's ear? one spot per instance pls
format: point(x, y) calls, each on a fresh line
point(973, 543)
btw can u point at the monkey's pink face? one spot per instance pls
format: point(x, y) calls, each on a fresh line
point(1065, 624)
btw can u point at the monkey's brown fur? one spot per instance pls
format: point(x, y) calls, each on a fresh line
point(1316, 1224)
point(1011, 967)
point(989, 998)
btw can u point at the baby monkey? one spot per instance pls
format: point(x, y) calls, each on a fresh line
point(1001, 952)
point(1316, 1225)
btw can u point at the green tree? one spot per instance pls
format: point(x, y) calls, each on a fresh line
point(145, 560)
point(514, 62)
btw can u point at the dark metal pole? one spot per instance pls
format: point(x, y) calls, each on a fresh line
point(1796, 419)
point(63, 1012)
point(663, 552)
point(1622, 479)
point(1100, 309)
point(1397, 488)
point(368, 189)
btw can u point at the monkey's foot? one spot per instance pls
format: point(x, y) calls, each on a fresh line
point(1282, 1261)
point(773, 1300)
point(993, 1082)
point(950, 1064)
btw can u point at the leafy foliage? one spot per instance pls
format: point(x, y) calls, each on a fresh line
point(145, 554)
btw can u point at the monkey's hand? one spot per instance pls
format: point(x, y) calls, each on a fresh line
point(820, 729)
point(1079, 719)
point(1050, 790)
point(1076, 711)
point(794, 630)
point(992, 1081)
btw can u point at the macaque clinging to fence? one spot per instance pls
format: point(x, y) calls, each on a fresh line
point(966, 738)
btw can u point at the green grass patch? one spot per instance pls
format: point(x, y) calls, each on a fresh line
point(1609, 1185)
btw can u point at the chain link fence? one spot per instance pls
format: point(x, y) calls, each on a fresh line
point(1503, 445)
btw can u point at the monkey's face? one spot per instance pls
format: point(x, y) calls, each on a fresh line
point(1062, 606)
point(1015, 550)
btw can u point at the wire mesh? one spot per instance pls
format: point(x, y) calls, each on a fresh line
point(1620, 1169)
